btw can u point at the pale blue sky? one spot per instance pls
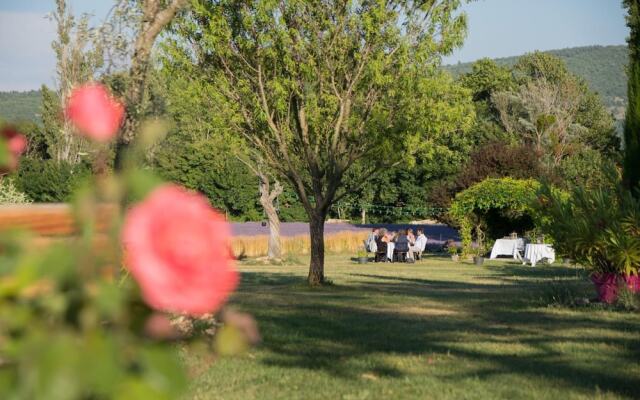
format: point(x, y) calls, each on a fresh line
point(497, 28)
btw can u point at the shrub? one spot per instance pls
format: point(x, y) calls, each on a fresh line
point(598, 228)
point(628, 299)
point(493, 160)
point(508, 197)
point(49, 181)
point(10, 195)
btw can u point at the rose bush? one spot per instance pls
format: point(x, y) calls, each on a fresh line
point(67, 308)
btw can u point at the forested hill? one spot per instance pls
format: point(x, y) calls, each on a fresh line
point(603, 67)
point(20, 106)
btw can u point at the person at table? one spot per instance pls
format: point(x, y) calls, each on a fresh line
point(411, 237)
point(420, 243)
point(381, 243)
point(370, 244)
point(402, 243)
point(388, 239)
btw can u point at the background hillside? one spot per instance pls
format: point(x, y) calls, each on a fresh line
point(603, 67)
point(19, 106)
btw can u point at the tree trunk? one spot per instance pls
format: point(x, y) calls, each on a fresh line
point(275, 244)
point(267, 197)
point(364, 216)
point(316, 232)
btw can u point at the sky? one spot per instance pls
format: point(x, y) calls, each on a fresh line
point(497, 28)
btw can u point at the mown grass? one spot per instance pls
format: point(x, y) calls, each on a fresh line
point(435, 329)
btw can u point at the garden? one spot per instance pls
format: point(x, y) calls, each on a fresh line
point(220, 198)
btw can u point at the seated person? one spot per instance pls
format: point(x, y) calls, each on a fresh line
point(420, 244)
point(402, 243)
point(411, 237)
point(370, 243)
point(381, 242)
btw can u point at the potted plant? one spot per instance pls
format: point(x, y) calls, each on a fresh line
point(480, 249)
point(599, 229)
point(478, 258)
point(362, 257)
point(453, 251)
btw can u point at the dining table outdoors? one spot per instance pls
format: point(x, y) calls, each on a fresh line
point(507, 247)
point(533, 253)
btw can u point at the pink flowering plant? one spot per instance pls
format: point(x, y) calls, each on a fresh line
point(102, 314)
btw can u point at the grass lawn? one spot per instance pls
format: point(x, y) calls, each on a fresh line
point(435, 329)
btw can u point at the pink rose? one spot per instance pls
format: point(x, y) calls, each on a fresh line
point(16, 144)
point(94, 112)
point(177, 249)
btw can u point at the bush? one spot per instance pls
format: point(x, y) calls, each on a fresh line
point(49, 181)
point(493, 160)
point(585, 168)
point(10, 195)
point(596, 227)
point(508, 198)
point(628, 299)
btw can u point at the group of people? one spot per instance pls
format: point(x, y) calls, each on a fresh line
point(402, 245)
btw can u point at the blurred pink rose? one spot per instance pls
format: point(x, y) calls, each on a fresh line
point(94, 112)
point(16, 144)
point(177, 248)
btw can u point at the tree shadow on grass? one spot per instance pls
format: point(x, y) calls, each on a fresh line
point(335, 330)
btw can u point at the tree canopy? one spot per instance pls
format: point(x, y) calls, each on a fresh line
point(321, 86)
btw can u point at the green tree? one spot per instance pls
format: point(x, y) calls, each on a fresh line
point(224, 180)
point(323, 85)
point(152, 17)
point(631, 174)
point(77, 61)
point(554, 111)
point(487, 77)
point(591, 113)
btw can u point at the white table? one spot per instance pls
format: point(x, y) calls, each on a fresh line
point(536, 252)
point(507, 247)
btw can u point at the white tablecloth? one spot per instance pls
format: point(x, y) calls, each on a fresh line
point(536, 252)
point(507, 247)
point(390, 247)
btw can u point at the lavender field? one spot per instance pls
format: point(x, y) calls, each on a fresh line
point(437, 234)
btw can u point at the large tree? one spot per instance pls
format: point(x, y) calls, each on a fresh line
point(554, 111)
point(321, 86)
point(632, 118)
point(153, 16)
point(77, 61)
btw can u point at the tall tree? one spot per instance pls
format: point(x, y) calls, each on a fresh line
point(554, 111)
point(631, 174)
point(156, 15)
point(76, 62)
point(321, 86)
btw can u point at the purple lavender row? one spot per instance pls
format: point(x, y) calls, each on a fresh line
point(436, 233)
